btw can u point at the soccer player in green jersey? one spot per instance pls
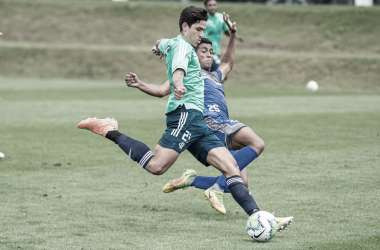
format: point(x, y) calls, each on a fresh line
point(214, 28)
point(186, 128)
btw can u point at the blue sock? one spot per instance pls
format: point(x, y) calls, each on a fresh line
point(243, 158)
point(204, 182)
point(241, 194)
point(135, 149)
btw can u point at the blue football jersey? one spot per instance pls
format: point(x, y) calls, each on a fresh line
point(215, 104)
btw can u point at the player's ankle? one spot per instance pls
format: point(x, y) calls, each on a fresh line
point(113, 135)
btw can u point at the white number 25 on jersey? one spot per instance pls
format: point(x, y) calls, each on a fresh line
point(213, 108)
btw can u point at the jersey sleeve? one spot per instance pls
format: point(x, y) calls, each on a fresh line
point(162, 45)
point(181, 57)
point(218, 74)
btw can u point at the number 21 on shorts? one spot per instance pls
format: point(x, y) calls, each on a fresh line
point(186, 136)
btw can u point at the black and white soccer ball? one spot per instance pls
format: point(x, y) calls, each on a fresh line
point(262, 226)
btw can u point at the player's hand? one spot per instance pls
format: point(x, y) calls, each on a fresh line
point(179, 92)
point(231, 26)
point(132, 80)
point(157, 52)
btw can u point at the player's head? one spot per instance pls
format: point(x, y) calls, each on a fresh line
point(211, 6)
point(192, 23)
point(205, 53)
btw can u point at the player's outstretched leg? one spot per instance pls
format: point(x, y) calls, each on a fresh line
point(157, 163)
point(135, 149)
point(186, 179)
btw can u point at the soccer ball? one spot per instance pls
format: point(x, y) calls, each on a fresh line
point(261, 226)
point(312, 86)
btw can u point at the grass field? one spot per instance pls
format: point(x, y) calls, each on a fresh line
point(64, 188)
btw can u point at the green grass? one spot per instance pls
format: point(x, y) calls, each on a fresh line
point(321, 165)
point(63, 188)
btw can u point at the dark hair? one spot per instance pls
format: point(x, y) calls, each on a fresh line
point(206, 1)
point(205, 40)
point(191, 15)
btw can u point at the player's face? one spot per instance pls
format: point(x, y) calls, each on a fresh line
point(211, 7)
point(194, 33)
point(205, 53)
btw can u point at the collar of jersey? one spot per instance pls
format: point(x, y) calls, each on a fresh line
point(183, 38)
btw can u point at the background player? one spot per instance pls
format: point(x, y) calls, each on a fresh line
point(186, 128)
point(215, 27)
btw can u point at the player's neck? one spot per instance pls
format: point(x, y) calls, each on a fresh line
point(184, 36)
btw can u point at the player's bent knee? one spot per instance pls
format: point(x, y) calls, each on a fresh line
point(258, 145)
point(261, 146)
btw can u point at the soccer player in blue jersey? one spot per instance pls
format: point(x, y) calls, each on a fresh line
point(186, 129)
point(232, 133)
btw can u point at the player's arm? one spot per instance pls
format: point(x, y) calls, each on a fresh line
point(154, 90)
point(181, 58)
point(157, 50)
point(179, 89)
point(228, 59)
point(228, 32)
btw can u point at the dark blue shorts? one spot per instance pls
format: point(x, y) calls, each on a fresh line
point(186, 129)
point(224, 128)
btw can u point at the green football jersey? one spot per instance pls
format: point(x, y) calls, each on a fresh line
point(181, 55)
point(214, 28)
